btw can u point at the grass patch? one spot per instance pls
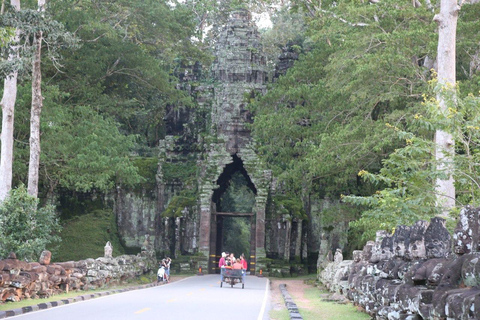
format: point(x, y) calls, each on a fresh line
point(85, 236)
point(326, 310)
point(279, 315)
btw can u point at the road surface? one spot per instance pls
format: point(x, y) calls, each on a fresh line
point(197, 297)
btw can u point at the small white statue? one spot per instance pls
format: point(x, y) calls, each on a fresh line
point(108, 250)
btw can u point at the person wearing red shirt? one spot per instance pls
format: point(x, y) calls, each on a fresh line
point(221, 264)
point(238, 265)
point(244, 262)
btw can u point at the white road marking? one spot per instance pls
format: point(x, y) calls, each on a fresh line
point(264, 304)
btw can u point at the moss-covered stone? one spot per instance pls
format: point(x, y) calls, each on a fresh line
point(179, 171)
point(177, 205)
point(147, 168)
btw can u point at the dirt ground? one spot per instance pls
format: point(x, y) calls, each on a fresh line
point(294, 287)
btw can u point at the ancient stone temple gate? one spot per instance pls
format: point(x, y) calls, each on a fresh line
point(210, 144)
point(238, 71)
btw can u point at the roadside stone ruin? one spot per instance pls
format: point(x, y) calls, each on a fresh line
point(22, 280)
point(419, 272)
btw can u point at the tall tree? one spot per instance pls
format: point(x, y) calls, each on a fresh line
point(446, 60)
point(447, 29)
point(8, 111)
point(37, 104)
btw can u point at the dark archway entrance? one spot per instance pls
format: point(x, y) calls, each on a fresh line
point(233, 225)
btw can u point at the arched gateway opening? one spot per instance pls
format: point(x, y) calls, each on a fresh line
point(234, 219)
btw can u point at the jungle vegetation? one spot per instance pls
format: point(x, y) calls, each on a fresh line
point(352, 120)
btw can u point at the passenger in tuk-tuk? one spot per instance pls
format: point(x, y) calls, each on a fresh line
point(237, 265)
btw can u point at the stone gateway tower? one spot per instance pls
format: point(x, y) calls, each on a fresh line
point(207, 179)
point(238, 73)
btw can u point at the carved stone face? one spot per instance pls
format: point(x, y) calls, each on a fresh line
point(386, 248)
point(357, 255)
point(416, 248)
point(368, 251)
point(401, 239)
point(382, 247)
point(437, 239)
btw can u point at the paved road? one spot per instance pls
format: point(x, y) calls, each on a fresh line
point(194, 298)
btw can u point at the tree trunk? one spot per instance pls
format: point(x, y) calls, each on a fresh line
point(447, 28)
point(8, 111)
point(37, 104)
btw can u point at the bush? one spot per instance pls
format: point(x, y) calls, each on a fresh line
point(25, 229)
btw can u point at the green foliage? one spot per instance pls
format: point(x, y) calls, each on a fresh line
point(350, 100)
point(288, 29)
point(236, 235)
point(26, 229)
point(6, 35)
point(85, 236)
point(82, 150)
point(93, 154)
point(238, 197)
point(408, 177)
point(31, 22)
point(125, 67)
point(323, 121)
point(178, 204)
point(147, 169)
point(179, 171)
point(290, 205)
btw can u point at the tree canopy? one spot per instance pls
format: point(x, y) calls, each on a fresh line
point(352, 120)
point(344, 120)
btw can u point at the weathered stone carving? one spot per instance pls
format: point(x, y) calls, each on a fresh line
point(414, 273)
point(338, 256)
point(45, 258)
point(437, 239)
point(416, 247)
point(108, 250)
point(466, 235)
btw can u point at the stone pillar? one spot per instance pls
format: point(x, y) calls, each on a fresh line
point(178, 225)
point(212, 259)
point(260, 239)
point(204, 237)
point(298, 241)
point(288, 239)
point(252, 259)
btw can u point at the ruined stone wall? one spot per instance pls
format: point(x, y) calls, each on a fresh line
point(415, 273)
point(21, 280)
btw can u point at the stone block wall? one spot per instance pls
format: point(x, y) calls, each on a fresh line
point(416, 273)
point(22, 280)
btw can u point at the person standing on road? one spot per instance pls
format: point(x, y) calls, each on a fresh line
point(168, 262)
point(244, 261)
point(221, 264)
point(245, 266)
point(161, 274)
